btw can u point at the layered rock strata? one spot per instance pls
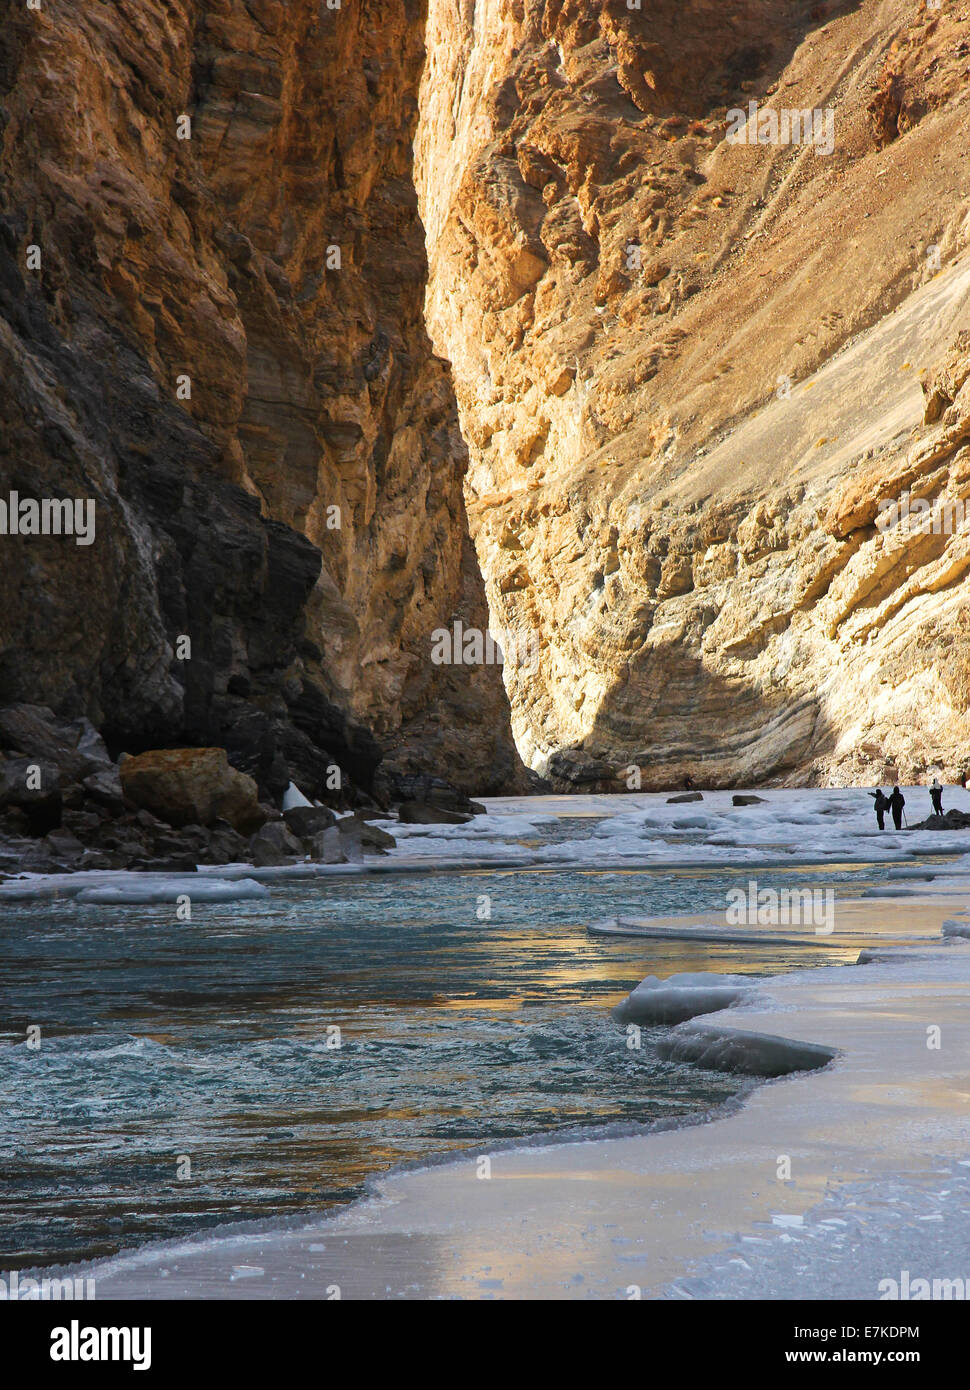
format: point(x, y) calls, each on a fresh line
point(688, 370)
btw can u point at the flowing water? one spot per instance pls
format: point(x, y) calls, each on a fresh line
point(189, 1073)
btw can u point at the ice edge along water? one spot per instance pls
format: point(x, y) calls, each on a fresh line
point(431, 1231)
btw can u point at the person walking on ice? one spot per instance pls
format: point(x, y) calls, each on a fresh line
point(936, 796)
point(882, 805)
point(896, 803)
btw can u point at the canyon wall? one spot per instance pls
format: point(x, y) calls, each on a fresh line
point(689, 369)
point(212, 274)
point(687, 372)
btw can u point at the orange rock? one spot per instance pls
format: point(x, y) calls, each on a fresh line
point(192, 786)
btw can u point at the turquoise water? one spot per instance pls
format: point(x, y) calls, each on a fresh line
point(187, 1073)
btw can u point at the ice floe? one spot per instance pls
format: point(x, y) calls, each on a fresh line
point(749, 1054)
point(712, 934)
point(681, 997)
point(169, 890)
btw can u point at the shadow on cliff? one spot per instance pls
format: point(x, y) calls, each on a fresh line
point(685, 60)
point(673, 718)
point(183, 621)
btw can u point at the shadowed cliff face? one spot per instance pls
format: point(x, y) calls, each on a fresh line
point(675, 468)
point(224, 346)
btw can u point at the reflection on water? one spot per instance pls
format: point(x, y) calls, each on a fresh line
point(188, 1073)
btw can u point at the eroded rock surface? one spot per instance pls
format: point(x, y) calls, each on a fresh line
point(271, 443)
point(688, 371)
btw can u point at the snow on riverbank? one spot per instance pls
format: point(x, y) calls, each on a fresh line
point(786, 827)
point(643, 830)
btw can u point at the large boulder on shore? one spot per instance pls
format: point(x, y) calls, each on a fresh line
point(192, 786)
point(371, 839)
point(74, 746)
point(327, 847)
point(307, 821)
point(34, 788)
point(950, 820)
point(273, 845)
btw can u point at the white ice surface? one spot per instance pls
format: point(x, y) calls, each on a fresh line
point(294, 797)
point(639, 830)
point(151, 889)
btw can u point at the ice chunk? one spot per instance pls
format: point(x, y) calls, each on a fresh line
point(880, 956)
point(294, 797)
point(694, 979)
point(954, 927)
point(672, 1004)
point(750, 1054)
point(646, 927)
point(169, 890)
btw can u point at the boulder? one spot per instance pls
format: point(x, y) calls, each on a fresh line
point(34, 787)
point(353, 850)
point(185, 786)
point(368, 836)
point(740, 800)
point(423, 813)
point(58, 852)
point(950, 820)
point(67, 848)
point(274, 844)
point(432, 791)
point(327, 847)
point(226, 846)
point(307, 821)
point(104, 787)
point(74, 746)
point(686, 796)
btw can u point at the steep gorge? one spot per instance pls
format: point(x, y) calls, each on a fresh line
point(686, 371)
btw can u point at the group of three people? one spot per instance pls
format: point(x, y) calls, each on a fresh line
point(896, 801)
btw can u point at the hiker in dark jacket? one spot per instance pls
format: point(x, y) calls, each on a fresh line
point(936, 796)
point(882, 805)
point(896, 803)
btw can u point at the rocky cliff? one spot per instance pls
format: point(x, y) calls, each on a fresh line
point(692, 354)
point(212, 274)
point(689, 368)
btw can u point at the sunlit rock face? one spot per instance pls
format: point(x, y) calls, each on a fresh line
point(689, 369)
point(299, 515)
